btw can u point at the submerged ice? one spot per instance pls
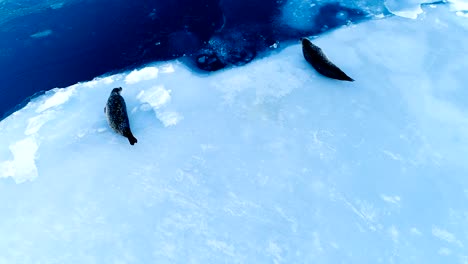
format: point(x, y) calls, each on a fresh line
point(269, 162)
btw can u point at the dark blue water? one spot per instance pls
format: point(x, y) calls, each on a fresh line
point(90, 38)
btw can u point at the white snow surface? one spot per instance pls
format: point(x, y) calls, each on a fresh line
point(265, 163)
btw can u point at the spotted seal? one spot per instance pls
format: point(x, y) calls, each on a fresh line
point(315, 56)
point(116, 112)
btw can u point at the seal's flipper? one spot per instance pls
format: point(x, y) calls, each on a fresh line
point(129, 135)
point(132, 140)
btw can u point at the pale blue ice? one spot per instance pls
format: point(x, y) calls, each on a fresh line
point(265, 163)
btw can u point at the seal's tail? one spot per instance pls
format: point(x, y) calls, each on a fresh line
point(131, 138)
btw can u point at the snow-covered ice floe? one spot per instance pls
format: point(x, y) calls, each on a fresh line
point(266, 163)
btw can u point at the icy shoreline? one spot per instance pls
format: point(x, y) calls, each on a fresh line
point(269, 162)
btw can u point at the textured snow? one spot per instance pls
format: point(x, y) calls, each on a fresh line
point(22, 167)
point(144, 74)
point(459, 5)
point(265, 163)
point(60, 96)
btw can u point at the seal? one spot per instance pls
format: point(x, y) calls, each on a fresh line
point(315, 57)
point(116, 112)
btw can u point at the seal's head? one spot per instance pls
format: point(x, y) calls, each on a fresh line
point(306, 42)
point(116, 90)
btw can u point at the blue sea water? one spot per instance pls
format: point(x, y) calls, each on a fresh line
point(44, 45)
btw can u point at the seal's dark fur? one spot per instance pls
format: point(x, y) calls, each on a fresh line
point(116, 112)
point(315, 56)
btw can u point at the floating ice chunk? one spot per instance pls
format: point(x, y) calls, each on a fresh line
point(169, 118)
point(22, 168)
point(144, 74)
point(61, 96)
point(409, 9)
point(42, 34)
point(156, 96)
